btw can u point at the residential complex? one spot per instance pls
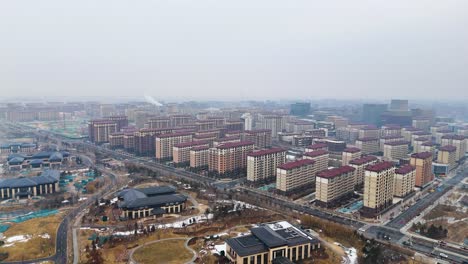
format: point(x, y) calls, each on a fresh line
point(404, 181)
point(360, 164)
point(447, 155)
point(368, 145)
point(423, 163)
point(230, 158)
point(350, 154)
point(334, 185)
point(165, 143)
point(261, 165)
point(320, 157)
point(295, 175)
point(378, 188)
point(396, 150)
point(181, 151)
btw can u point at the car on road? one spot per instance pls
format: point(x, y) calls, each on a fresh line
point(443, 255)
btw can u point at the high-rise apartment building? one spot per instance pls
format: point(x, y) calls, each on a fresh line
point(423, 163)
point(99, 130)
point(369, 132)
point(422, 123)
point(368, 145)
point(181, 151)
point(447, 155)
point(145, 140)
point(404, 181)
point(199, 157)
point(334, 185)
point(386, 139)
point(295, 175)
point(261, 165)
point(459, 141)
point(320, 157)
point(396, 150)
point(317, 146)
point(350, 154)
point(165, 143)
point(360, 165)
point(275, 123)
point(230, 159)
point(260, 137)
point(378, 188)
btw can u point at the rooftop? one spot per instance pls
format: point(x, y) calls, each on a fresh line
point(448, 148)
point(379, 167)
point(363, 160)
point(404, 169)
point(179, 134)
point(198, 148)
point(428, 144)
point(190, 144)
point(316, 153)
point(46, 177)
point(444, 131)
point(421, 139)
point(367, 139)
point(455, 137)
point(317, 146)
point(266, 152)
point(390, 137)
point(422, 155)
point(352, 150)
point(397, 143)
point(335, 172)
point(296, 164)
point(411, 129)
point(422, 133)
point(235, 144)
point(257, 131)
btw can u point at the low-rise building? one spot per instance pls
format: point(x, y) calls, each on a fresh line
point(271, 241)
point(11, 148)
point(27, 187)
point(334, 185)
point(150, 202)
point(404, 181)
point(378, 188)
point(295, 175)
point(261, 165)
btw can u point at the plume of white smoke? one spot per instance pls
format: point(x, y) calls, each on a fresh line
point(151, 100)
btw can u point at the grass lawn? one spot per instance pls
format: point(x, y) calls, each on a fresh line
point(43, 232)
point(163, 252)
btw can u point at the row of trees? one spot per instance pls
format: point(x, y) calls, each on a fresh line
point(432, 231)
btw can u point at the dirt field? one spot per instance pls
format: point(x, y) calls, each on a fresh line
point(163, 252)
point(40, 233)
point(444, 210)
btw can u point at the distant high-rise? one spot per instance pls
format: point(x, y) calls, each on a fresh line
point(399, 105)
point(372, 113)
point(300, 109)
point(248, 121)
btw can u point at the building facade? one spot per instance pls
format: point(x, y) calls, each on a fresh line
point(334, 185)
point(261, 165)
point(378, 188)
point(423, 163)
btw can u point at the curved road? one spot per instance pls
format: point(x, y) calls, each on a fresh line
point(132, 261)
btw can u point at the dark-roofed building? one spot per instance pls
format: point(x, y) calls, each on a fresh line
point(26, 187)
point(360, 164)
point(17, 148)
point(403, 183)
point(271, 242)
point(48, 159)
point(334, 185)
point(261, 165)
point(378, 188)
point(150, 201)
point(350, 154)
point(295, 175)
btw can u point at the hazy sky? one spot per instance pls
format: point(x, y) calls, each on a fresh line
point(238, 49)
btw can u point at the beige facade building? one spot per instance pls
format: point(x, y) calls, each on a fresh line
point(417, 135)
point(272, 122)
point(320, 157)
point(261, 165)
point(368, 145)
point(369, 132)
point(439, 134)
point(224, 140)
point(260, 137)
point(360, 165)
point(423, 163)
point(422, 124)
point(407, 132)
point(230, 158)
point(396, 150)
point(390, 131)
point(404, 181)
point(316, 146)
point(181, 151)
point(386, 139)
point(99, 130)
point(165, 143)
point(199, 157)
point(350, 154)
point(378, 188)
point(334, 185)
point(447, 155)
point(295, 175)
point(460, 142)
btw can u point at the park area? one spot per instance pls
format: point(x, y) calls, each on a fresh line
point(31, 239)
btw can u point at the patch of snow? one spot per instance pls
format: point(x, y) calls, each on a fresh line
point(47, 236)
point(19, 238)
point(218, 248)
